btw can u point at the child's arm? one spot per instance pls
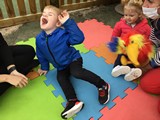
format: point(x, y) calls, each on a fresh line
point(116, 30)
point(44, 63)
point(156, 25)
point(75, 35)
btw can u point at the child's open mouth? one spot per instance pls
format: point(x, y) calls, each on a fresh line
point(44, 21)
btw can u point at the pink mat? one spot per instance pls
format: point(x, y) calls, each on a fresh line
point(137, 105)
point(95, 33)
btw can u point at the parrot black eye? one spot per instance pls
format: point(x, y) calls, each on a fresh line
point(132, 41)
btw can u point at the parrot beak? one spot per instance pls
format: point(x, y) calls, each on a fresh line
point(132, 52)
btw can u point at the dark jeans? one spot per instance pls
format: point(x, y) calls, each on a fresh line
point(75, 69)
point(23, 56)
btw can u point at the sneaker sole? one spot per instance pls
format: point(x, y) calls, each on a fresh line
point(133, 75)
point(121, 71)
point(73, 110)
point(108, 95)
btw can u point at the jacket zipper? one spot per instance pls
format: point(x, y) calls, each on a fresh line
point(51, 52)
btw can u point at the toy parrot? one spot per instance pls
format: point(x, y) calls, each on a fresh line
point(137, 47)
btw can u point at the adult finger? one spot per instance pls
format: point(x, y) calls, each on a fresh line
point(19, 85)
point(22, 83)
point(24, 76)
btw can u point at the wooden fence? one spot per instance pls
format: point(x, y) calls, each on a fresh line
point(78, 4)
point(13, 12)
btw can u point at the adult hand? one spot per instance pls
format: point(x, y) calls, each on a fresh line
point(16, 81)
point(63, 17)
point(42, 72)
point(16, 73)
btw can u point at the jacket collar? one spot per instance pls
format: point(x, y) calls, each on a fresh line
point(44, 34)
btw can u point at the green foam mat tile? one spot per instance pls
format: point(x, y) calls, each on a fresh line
point(81, 48)
point(33, 102)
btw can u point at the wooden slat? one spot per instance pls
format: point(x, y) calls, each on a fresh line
point(83, 5)
point(42, 4)
point(19, 20)
point(21, 7)
point(1, 15)
point(77, 1)
point(69, 1)
point(61, 2)
point(9, 8)
point(48, 2)
point(32, 4)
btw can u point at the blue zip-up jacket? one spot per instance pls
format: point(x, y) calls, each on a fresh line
point(56, 48)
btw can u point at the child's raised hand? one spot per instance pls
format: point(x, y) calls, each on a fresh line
point(63, 17)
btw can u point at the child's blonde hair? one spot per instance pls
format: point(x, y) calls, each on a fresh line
point(53, 8)
point(139, 2)
point(133, 3)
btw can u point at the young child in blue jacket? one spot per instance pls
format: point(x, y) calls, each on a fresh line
point(54, 45)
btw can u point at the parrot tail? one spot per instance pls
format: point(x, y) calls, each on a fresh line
point(113, 44)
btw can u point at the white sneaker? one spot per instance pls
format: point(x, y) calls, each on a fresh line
point(133, 74)
point(120, 70)
point(71, 109)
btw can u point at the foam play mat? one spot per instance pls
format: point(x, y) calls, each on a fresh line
point(43, 98)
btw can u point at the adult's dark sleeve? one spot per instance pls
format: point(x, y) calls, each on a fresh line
point(156, 25)
point(5, 52)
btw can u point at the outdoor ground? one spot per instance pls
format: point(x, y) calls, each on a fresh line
point(42, 98)
point(105, 14)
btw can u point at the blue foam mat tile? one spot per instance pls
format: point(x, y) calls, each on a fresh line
point(87, 92)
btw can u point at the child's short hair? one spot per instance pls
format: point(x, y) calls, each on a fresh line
point(53, 8)
point(133, 3)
